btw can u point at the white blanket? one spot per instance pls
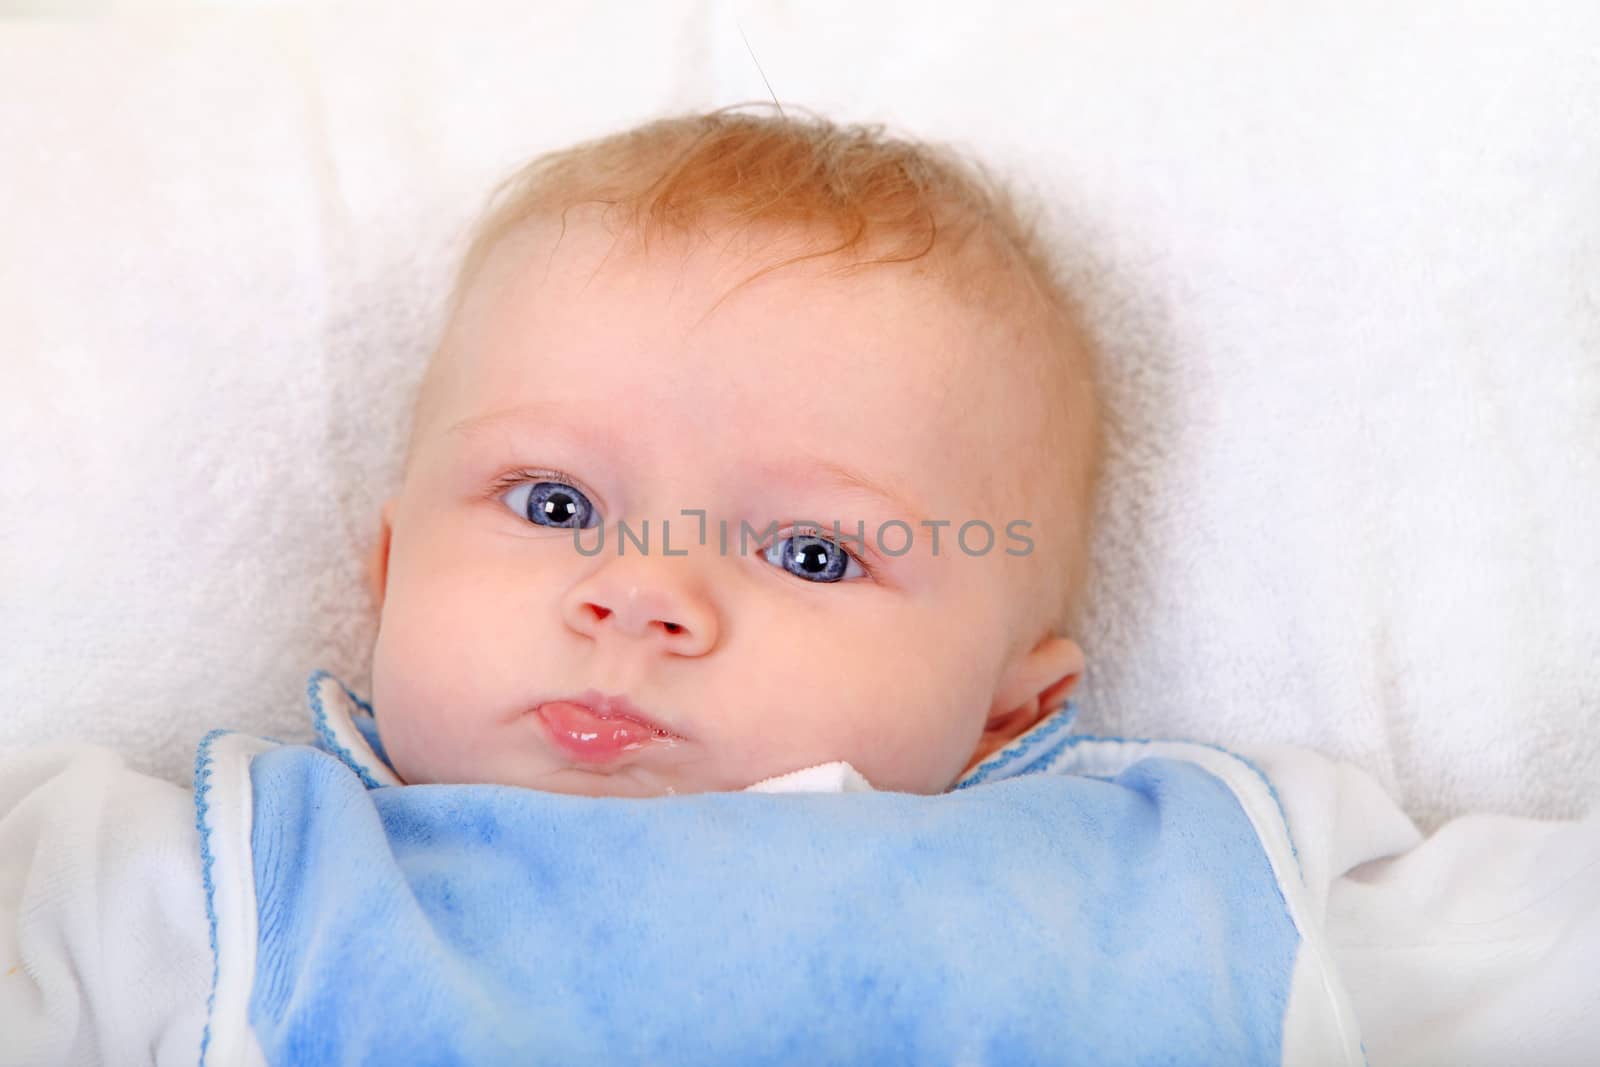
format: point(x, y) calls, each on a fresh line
point(1342, 259)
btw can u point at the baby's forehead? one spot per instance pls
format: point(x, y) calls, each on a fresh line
point(778, 272)
point(716, 308)
point(755, 298)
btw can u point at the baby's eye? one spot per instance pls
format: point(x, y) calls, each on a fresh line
point(551, 504)
point(816, 559)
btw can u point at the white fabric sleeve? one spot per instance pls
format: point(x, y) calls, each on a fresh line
point(1479, 944)
point(105, 951)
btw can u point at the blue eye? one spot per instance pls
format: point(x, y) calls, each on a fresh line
point(552, 504)
point(816, 559)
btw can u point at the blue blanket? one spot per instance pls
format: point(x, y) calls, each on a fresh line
point(1126, 913)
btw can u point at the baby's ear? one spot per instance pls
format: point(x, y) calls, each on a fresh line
point(1033, 686)
point(1042, 678)
point(378, 558)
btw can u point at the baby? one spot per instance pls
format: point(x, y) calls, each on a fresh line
point(758, 447)
point(707, 333)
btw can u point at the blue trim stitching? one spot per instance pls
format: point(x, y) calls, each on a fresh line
point(202, 808)
point(325, 732)
point(1027, 745)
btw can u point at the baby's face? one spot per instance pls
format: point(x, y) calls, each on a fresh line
point(587, 389)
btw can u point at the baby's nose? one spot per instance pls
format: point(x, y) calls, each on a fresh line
point(678, 619)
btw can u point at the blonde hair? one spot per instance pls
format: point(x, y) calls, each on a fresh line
point(882, 199)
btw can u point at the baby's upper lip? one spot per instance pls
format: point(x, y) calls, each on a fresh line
point(612, 706)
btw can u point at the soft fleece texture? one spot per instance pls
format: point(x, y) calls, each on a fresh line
point(1342, 259)
point(1070, 901)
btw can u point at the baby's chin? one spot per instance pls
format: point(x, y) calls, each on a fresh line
point(572, 781)
point(576, 781)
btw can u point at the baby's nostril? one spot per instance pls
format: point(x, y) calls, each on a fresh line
point(600, 612)
point(672, 627)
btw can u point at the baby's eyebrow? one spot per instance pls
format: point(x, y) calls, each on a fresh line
point(807, 471)
point(548, 411)
point(827, 474)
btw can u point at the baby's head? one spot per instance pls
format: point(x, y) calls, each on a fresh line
point(723, 325)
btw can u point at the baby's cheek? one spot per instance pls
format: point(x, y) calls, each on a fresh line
point(417, 741)
point(402, 746)
point(927, 766)
point(900, 744)
point(930, 741)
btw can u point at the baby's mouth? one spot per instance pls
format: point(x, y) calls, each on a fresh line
point(591, 737)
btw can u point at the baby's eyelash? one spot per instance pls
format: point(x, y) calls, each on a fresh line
point(511, 479)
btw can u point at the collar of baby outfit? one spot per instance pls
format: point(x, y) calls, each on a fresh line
point(347, 727)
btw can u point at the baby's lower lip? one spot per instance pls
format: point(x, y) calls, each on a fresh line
point(585, 736)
